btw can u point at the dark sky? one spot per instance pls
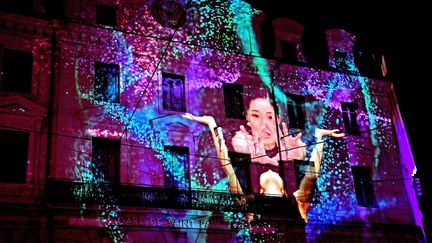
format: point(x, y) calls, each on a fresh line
point(398, 31)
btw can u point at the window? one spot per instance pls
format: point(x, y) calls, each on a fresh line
point(173, 92)
point(106, 159)
point(107, 82)
point(349, 117)
point(295, 104)
point(289, 51)
point(233, 99)
point(176, 167)
point(300, 168)
point(341, 61)
point(106, 15)
point(16, 71)
point(363, 186)
point(14, 156)
point(241, 163)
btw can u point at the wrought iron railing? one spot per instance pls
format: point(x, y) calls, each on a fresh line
point(77, 192)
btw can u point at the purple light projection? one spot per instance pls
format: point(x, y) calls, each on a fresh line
point(138, 119)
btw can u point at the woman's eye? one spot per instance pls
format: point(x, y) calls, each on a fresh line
point(255, 115)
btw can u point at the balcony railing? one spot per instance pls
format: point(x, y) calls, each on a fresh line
point(75, 192)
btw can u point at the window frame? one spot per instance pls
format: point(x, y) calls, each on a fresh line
point(24, 153)
point(286, 48)
point(175, 103)
point(296, 111)
point(170, 182)
point(241, 163)
point(233, 94)
point(103, 15)
point(27, 83)
point(110, 148)
point(363, 186)
point(349, 118)
point(106, 81)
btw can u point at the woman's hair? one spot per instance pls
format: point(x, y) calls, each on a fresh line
point(273, 104)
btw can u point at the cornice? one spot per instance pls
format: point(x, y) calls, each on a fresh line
point(25, 25)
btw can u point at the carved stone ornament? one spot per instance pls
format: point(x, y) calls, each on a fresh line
point(168, 13)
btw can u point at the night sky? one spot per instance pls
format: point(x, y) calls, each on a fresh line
point(396, 30)
point(399, 32)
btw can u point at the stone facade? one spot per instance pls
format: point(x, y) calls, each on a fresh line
point(136, 191)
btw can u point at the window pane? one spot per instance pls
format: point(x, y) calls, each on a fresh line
point(363, 186)
point(14, 156)
point(302, 167)
point(349, 116)
point(17, 71)
point(289, 51)
point(233, 100)
point(241, 163)
point(107, 82)
point(295, 106)
point(173, 92)
point(341, 60)
point(106, 159)
point(176, 167)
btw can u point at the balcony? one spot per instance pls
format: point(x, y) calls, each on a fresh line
point(70, 193)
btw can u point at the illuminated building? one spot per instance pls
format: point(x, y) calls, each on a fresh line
point(96, 147)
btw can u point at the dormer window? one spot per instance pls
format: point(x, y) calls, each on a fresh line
point(106, 15)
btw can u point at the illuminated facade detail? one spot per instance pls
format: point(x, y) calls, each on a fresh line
point(113, 158)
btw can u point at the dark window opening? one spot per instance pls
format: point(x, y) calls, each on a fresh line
point(295, 106)
point(107, 82)
point(24, 7)
point(289, 51)
point(363, 186)
point(54, 8)
point(173, 92)
point(176, 167)
point(241, 163)
point(341, 61)
point(16, 71)
point(233, 101)
point(14, 155)
point(349, 116)
point(302, 167)
point(106, 15)
point(106, 160)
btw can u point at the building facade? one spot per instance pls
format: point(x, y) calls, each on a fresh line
point(97, 147)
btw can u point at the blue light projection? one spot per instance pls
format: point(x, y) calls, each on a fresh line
point(143, 58)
